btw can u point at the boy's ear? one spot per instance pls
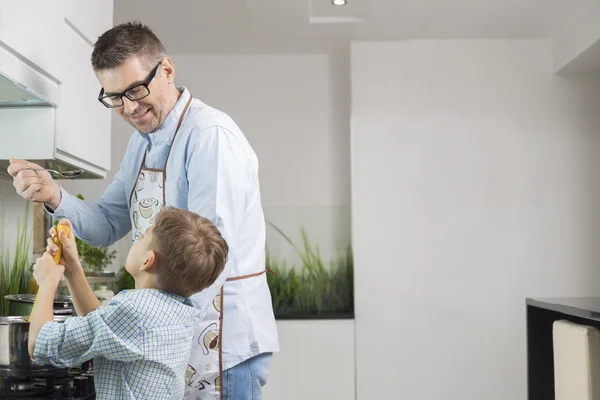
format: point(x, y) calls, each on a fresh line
point(150, 262)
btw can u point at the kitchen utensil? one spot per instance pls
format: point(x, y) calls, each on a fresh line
point(59, 228)
point(14, 355)
point(65, 174)
point(22, 304)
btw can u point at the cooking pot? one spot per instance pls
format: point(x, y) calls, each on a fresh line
point(14, 356)
point(21, 304)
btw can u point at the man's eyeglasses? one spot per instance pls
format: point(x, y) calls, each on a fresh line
point(134, 93)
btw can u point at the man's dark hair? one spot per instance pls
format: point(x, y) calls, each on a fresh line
point(117, 44)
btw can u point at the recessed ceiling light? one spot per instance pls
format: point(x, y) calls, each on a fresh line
point(338, 2)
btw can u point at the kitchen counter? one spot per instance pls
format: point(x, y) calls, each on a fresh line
point(583, 307)
point(541, 314)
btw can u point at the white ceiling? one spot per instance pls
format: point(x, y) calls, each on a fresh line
point(223, 26)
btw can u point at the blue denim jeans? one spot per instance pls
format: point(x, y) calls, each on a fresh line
point(245, 380)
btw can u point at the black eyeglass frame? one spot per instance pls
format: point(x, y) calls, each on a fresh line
point(145, 84)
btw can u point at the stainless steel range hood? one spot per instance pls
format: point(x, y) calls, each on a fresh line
point(28, 101)
point(14, 95)
point(24, 84)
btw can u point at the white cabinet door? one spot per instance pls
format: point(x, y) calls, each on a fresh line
point(30, 28)
point(83, 124)
point(56, 37)
point(90, 18)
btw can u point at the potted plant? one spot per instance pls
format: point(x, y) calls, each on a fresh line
point(14, 266)
point(312, 290)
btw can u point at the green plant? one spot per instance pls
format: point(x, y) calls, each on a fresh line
point(93, 258)
point(312, 289)
point(14, 273)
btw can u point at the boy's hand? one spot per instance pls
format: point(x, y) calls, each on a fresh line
point(69, 257)
point(46, 272)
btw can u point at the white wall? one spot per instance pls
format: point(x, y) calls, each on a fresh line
point(316, 361)
point(294, 109)
point(474, 185)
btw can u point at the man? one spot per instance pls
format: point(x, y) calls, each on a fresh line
point(187, 155)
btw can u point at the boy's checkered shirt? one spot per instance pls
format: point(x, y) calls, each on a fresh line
point(140, 342)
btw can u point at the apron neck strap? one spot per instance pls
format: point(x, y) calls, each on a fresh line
point(173, 142)
point(182, 115)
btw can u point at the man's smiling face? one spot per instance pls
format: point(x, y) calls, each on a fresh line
point(145, 115)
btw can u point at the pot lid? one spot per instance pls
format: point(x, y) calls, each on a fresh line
point(30, 298)
point(25, 320)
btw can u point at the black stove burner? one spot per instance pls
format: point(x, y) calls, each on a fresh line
point(34, 372)
point(35, 391)
point(76, 385)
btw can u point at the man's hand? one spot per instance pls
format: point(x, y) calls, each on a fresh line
point(36, 186)
point(46, 272)
point(69, 257)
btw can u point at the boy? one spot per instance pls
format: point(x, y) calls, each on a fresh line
point(141, 340)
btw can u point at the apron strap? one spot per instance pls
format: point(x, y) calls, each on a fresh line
point(235, 278)
point(222, 383)
point(164, 169)
point(172, 143)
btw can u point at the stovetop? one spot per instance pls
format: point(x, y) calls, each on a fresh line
point(76, 384)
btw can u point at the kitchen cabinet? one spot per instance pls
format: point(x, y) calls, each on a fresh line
point(55, 38)
point(82, 124)
point(30, 28)
point(90, 18)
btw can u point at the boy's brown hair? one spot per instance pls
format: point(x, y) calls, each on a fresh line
point(190, 251)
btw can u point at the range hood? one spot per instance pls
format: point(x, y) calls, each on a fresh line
point(28, 101)
point(14, 95)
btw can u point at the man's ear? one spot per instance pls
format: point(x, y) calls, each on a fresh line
point(168, 70)
point(150, 262)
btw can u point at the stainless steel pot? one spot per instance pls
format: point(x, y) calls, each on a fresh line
point(21, 304)
point(14, 356)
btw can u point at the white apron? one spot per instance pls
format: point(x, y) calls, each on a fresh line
point(147, 197)
point(204, 373)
